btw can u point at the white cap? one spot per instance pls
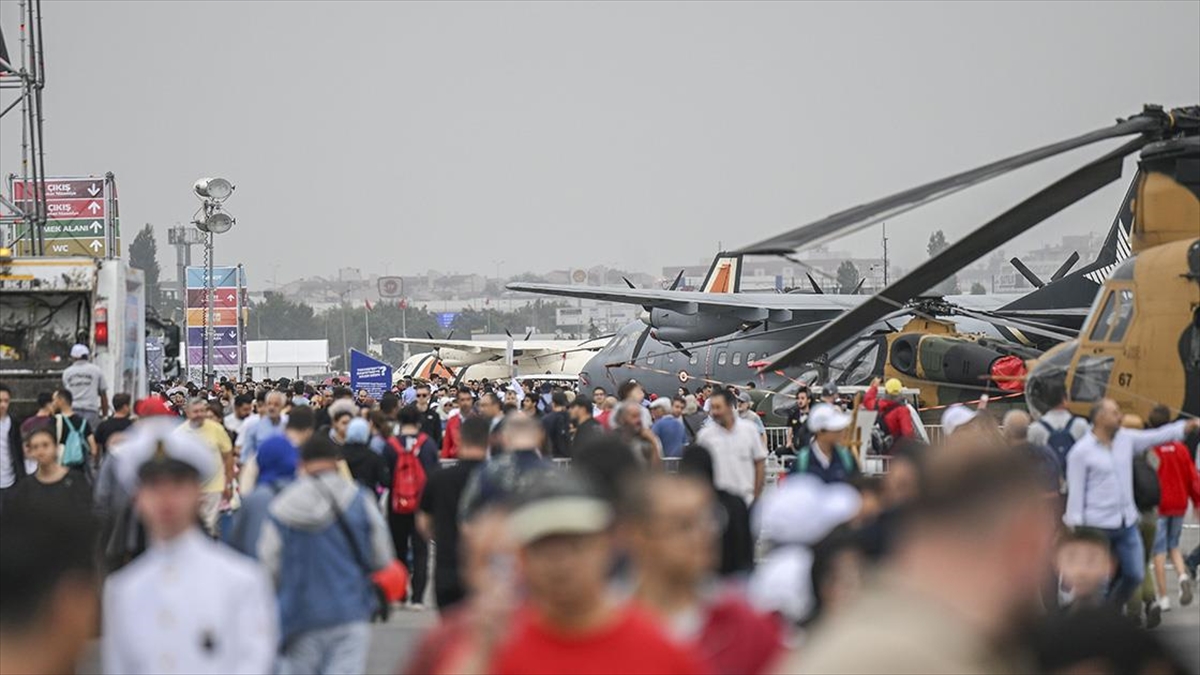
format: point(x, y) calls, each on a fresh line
point(804, 509)
point(956, 416)
point(825, 417)
point(79, 351)
point(156, 439)
point(662, 402)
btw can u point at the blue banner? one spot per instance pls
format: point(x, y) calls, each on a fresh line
point(368, 372)
point(446, 319)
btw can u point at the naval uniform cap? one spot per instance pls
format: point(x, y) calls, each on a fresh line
point(157, 448)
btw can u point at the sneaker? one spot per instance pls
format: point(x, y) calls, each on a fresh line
point(1164, 603)
point(417, 607)
point(1153, 614)
point(1185, 591)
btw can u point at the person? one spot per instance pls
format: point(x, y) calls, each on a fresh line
point(830, 394)
point(409, 478)
point(321, 541)
point(1178, 482)
point(87, 385)
point(43, 416)
point(213, 436)
point(739, 458)
point(438, 518)
point(1015, 426)
point(277, 459)
point(340, 417)
point(368, 469)
point(839, 570)
point(12, 458)
point(1084, 566)
point(896, 415)
point(586, 428)
point(299, 391)
point(48, 573)
point(962, 581)
point(1058, 428)
point(271, 422)
point(111, 428)
point(737, 540)
point(408, 394)
point(667, 427)
point(673, 532)
point(243, 405)
point(73, 429)
point(188, 604)
point(53, 485)
point(557, 425)
point(431, 422)
point(824, 456)
point(641, 441)
point(504, 475)
point(1098, 641)
point(491, 409)
point(466, 405)
point(797, 421)
point(744, 403)
point(1100, 487)
point(569, 621)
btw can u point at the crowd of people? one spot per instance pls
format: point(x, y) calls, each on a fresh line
point(261, 527)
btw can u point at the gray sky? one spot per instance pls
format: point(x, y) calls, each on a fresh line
point(453, 135)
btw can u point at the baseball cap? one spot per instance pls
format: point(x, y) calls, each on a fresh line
point(743, 397)
point(79, 351)
point(555, 503)
point(829, 389)
point(893, 386)
point(825, 506)
point(827, 418)
point(662, 402)
point(956, 416)
point(151, 406)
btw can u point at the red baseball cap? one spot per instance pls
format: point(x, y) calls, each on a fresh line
point(152, 406)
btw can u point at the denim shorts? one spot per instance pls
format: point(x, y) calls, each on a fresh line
point(1167, 536)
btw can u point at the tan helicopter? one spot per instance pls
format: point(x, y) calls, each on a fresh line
point(1140, 342)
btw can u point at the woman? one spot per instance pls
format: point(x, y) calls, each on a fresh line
point(277, 459)
point(368, 468)
point(53, 485)
point(529, 407)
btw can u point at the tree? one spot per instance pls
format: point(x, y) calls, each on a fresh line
point(937, 244)
point(978, 289)
point(278, 318)
point(143, 255)
point(847, 277)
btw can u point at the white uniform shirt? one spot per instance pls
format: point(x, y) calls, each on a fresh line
point(190, 606)
point(734, 453)
point(85, 381)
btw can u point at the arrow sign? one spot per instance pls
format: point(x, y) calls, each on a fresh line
point(94, 207)
point(97, 227)
point(95, 245)
point(93, 190)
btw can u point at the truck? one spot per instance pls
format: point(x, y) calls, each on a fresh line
point(47, 305)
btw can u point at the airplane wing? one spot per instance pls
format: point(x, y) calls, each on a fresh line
point(534, 348)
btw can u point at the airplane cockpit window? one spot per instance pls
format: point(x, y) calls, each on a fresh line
point(1091, 378)
point(1104, 320)
point(1123, 315)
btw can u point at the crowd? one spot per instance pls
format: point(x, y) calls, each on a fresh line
point(260, 527)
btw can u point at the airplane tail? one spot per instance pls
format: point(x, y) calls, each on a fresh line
point(725, 274)
point(1116, 245)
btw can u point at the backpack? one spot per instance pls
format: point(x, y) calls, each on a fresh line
point(1146, 490)
point(881, 436)
point(408, 476)
point(72, 448)
point(802, 460)
point(1060, 443)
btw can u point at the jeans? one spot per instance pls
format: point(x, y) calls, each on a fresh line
point(1192, 561)
point(337, 650)
point(1127, 548)
point(404, 530)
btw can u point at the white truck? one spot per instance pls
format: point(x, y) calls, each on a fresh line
point(49, 304)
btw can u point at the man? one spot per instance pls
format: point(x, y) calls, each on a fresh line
point(1178, 483)
point(628, 426)
point(188, 604)
point(110, 430)
point(585, 426)
point(1100, 487)
point(298, 394)
point(322, 539)
point(519, 461)
point(744, 403)
point(739, 457)
point(48, 573)
point(42, 417)
point(411, 460)
point(797, 421)
point(243, 405)
point(570, 621)
point(824, 456)
point(1015, 425)
point(557, 425)
point(431, 421)
point(961, 583)
point(270, 423)
point(598, 396)
point(895, 417)
point(466, 405)
point(1058, 428)
point(12, 457)
point(85, 381)
point(71, 427)
point(409, 394)
point(829, 394)
point(673, 534)
point(737, 539)
point(491, 408)
point(212, 436)
point(438, 518)
point(667, 427)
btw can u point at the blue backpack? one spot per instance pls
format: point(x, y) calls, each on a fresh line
point(72, 450)
point(1060, 443)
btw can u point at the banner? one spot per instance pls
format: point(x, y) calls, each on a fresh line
point(368, 372)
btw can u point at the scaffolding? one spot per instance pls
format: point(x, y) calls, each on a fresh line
point(23, 75)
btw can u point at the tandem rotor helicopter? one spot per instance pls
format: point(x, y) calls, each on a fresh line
point(1140, 341)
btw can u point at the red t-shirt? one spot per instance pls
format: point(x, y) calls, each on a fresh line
point(631, 643)
point(450, 440)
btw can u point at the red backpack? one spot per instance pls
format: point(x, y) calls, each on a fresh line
point(408, 476)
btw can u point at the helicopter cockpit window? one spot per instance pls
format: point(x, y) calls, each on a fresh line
point(1123, 315)
point(1104, 320)
point(1091, 378)
point(856, 364)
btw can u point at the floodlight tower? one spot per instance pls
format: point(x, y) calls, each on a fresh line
point(212, 192)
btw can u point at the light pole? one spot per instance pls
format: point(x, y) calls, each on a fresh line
point(212, 192)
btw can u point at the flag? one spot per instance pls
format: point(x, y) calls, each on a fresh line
point(368, 303)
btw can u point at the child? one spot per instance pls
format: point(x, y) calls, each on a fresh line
point(1085, 567)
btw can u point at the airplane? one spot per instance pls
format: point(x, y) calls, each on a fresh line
point(463, 360)
point(1141, 339)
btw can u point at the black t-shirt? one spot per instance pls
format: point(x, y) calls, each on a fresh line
point(558, 433)
point(72, 492)
point(797, 421)
point(431, 424)
point(443, 491)
point(110, 426)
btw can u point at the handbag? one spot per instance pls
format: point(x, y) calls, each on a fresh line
point(384, 582)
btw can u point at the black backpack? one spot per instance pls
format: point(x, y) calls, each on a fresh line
point(881, 436)
point(1146, 491)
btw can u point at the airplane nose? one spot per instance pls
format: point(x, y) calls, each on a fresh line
point(1047, 380)
point(644, 317)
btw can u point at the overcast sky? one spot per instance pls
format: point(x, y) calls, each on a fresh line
point(455, 135)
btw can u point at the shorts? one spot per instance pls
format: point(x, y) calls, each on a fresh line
point(1167, 537)
point(210, 511)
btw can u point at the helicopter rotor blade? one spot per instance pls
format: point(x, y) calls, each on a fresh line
point(1018, 219)
point(1027, 273)
point(815, 286)
point(678, 279)
point(1066, 266)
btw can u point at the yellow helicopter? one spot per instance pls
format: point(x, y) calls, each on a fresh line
point(1140, 343)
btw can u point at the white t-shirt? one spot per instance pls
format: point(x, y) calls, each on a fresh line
point(734, 453)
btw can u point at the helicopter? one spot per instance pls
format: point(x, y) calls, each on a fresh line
point(1140, 342)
